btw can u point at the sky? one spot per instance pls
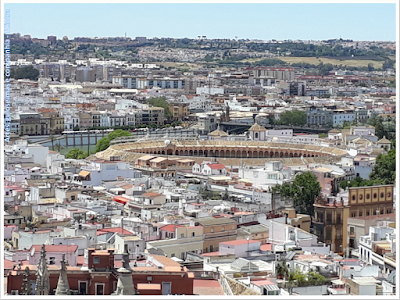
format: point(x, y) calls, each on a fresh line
point(265, 21)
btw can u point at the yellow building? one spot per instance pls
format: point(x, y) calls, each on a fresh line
point(216, 230)
point(330, 220)
point(179, 110)
point(56, 121)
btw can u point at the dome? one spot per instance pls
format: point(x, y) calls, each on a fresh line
point(257, 127)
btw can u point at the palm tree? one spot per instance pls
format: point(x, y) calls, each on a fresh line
point(52, 138)
point(282, 270)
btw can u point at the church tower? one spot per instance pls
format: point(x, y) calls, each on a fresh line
point(42, 275)
point(63, 285)
point(125, 282)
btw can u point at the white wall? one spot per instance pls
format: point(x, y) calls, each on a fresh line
point(367, 290)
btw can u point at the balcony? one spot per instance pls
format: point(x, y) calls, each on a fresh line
point(319, 221)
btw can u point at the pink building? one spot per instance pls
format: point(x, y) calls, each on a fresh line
point(54, 254)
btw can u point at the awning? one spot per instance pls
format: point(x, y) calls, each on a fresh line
point(384, 246)
point(121, 200)
point(84, 173)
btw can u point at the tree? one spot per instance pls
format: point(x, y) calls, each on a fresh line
point(295, 118)
point(28, 72)
point(281, 270)
point(305, 189)
point(384, 171)
point(52, 138)
point(104, 143)
point(76, 154)
point(161, 102)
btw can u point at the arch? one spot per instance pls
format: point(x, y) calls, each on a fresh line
point(186, 153)
point(312, 155)
point(206, 153)
point(291, 154)
point(286, 154)
point(295, 154)
point(211, 154)
point(271, 154)
point(243, 154)
point(222, 153)
point(163, 152)
point(228, 153)
point(195, 153)
point(281, 154)
point(276, 154)
point(216, 153)
point(169, 152)
point(176, 152)
point(190, 152)
point(200, 152)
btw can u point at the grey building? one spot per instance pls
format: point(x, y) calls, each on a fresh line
point(319, 117)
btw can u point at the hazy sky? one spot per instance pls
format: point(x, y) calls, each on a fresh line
point(360, 21)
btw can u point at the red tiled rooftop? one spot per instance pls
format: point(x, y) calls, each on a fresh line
point(216, 166)
point(166, 261)
point(266, 247)
point(81, 261)
point(262, 282)
point(8, 264)
point(207, 287)
point(170, 227)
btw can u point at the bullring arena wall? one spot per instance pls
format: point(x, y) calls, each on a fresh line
point(226, 152)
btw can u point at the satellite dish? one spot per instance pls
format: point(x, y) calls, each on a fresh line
point(33, 251)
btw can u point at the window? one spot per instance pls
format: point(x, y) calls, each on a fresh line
point(353, 214)
point(82, 287)
point(389, 194)
point(361, 197)
point(382, 195)
point(52, 261)
point(389, 211)
point(375, 195)
point(96, 260)
point(353, 197)
point(212, 230)
point(173, 255)
point(360, 213)
point(182, 235)
point(192, 233)
point(367, 213)
point(99, 288)
point(367, 196)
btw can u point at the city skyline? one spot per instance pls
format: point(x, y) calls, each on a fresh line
point(376, 21)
